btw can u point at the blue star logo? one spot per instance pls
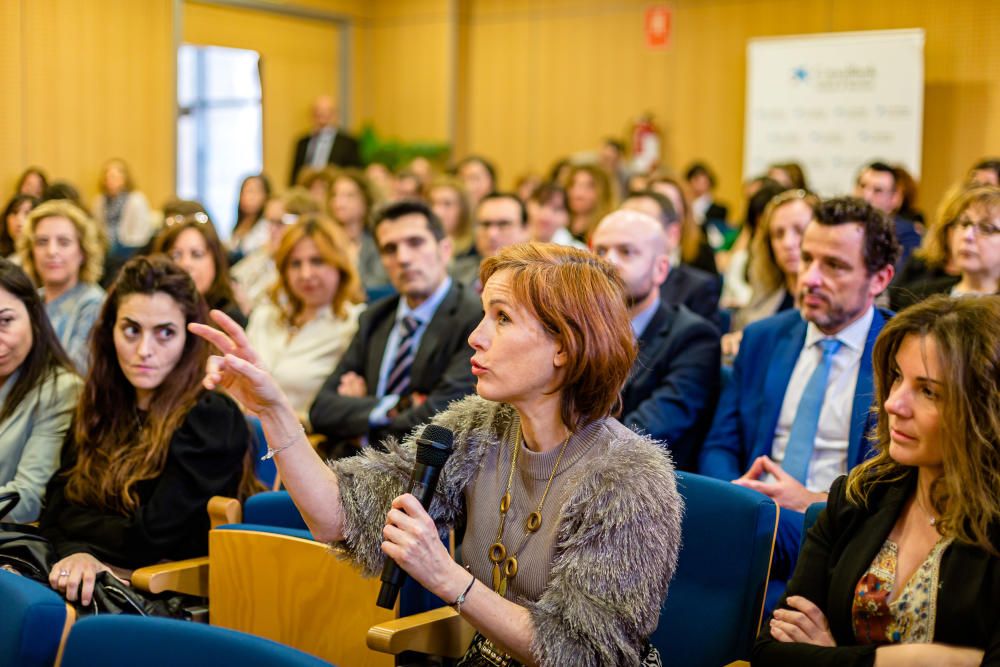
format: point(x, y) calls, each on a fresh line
point(800, 74)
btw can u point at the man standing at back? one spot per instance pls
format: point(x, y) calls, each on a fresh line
point(795, 414)
point(411, 355)
point(326, 144)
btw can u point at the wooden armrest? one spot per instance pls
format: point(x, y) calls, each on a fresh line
point(738, 663)
point(183, 576)
point(437, 632)
point(223, 510)
point(316, 439)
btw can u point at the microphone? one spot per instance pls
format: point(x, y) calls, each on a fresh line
point(433, 449)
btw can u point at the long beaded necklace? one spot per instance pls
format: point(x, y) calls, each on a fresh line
point(504, 563)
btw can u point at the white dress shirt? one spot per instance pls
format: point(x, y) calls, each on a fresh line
point(829, 458)
point(301, 361)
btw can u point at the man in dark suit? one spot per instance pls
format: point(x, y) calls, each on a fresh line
point(411, 355)
point(795, 413)
point(325, 144)
point(685, 285)
point(879, 184)
point(674, 384)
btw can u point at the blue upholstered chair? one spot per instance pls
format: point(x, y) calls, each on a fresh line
point(714, 603)
point(34, 620)
point(123, 641)
point(812, 513)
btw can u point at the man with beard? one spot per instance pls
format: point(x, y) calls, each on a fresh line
point(795, 413)
point(674, 384)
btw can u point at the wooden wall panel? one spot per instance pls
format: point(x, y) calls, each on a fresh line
point(300, 60)
point(406, 75)
point(92, 81)
point(545, 78)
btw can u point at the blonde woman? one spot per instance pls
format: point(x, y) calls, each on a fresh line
point(302, 332)
point(62, 251)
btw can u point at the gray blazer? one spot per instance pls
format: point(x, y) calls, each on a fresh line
point(31, 439)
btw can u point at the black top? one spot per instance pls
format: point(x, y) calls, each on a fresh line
point(205, 459)
point(230, 308)
point(838, 551)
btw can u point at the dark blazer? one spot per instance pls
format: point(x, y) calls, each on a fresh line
point(694, 288)
point(441, 368)
point(838, 550)
point(750, 405)
point(343, 153)
point(674, 385)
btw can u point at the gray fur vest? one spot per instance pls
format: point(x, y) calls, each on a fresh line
point(618, 537)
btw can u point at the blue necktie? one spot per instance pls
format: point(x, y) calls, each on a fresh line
point(398, 380)
point(802, 437)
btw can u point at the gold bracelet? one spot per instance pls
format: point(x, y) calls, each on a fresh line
point(271, 451)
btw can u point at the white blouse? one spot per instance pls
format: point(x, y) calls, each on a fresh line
point(301, 360)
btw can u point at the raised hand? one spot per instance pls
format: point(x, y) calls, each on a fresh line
point(238, 371)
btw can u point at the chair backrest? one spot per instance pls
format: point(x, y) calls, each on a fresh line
point(278, 583)
point(273, 508)
point(123, 641)
point(812, 513)
point(34, 621)
point(714, 602)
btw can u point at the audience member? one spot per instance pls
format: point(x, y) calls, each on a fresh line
point(584, 582)
point(674, 384)
point(38, 391)
point(879, 185)
point(548, 216)
point(611, 157)
point(251, 229)
point(590, 198)
point(256, 273)
point(326, 144)
point(318, 183)
point(479, 177)
point(795, 414)
point(734, 262)
point(701, 182)
point(124, 213)
point(380, 177)
point(902, 566)
point(302, 332)
point(775, 256)
point(526, 185)
point(60, 248)
point(407, 185)
point(685, 285)
point(15, 215)
point(64, 190)
point(985, 172)
point(694, 248)
point(559, 172)
point(933, 260)
point(501, 221)
point(351, 205)
point(446, 196)
point(149, 447)
point(422, 168)
point(789, 174)
point(909, 189)
point(410, 357)
point(190, 240)
point(972, 240)
point(32, 182)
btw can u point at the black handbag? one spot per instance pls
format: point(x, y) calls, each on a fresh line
point(24, 551)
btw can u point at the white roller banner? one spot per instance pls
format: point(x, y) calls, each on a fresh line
point(833, 102)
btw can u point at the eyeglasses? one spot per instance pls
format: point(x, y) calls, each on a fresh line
point(982, 228)
point(199, 217)
point(286, 219)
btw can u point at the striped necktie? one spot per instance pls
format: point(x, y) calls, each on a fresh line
point(399, 375)
point(802, 436)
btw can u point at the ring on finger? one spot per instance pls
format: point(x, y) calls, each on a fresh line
point(63, 573)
